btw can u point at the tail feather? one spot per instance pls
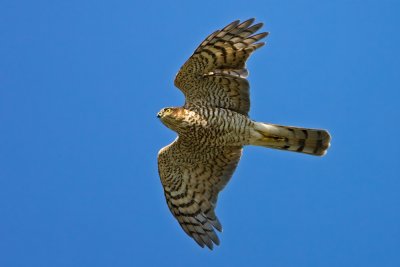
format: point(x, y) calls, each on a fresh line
point(309, 141)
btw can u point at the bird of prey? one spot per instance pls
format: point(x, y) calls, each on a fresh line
point(213, 126)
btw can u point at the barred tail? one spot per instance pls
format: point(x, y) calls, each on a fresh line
point(309, 141)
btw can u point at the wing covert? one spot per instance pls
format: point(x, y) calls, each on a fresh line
point(215, 75)
point(192, 181)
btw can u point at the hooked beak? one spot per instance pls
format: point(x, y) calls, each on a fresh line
point(158, 115)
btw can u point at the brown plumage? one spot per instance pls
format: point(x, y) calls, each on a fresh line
point(213, 126)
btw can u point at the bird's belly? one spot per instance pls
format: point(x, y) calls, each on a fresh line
point(223, 128)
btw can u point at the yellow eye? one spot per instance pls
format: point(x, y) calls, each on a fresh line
point(167, 110)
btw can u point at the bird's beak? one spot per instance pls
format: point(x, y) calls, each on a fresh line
point(158, 115)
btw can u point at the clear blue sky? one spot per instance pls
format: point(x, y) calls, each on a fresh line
point(81, 83)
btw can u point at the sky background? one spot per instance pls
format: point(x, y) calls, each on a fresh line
point(81, 83)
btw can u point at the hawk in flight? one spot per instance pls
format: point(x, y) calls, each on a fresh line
point(213, 126)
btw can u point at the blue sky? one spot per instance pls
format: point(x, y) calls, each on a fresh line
point(81, 83)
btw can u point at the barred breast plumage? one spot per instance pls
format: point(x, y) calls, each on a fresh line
point(216, 127)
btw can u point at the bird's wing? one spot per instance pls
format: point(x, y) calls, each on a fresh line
point(215, 75)
point(192, 178)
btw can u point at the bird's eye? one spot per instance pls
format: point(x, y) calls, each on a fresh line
point(167, 110)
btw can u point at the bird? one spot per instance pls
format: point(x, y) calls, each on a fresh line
point(213, 126)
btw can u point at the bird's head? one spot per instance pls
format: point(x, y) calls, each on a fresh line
point(172, 117)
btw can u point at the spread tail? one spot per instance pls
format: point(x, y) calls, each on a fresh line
point(309, 141)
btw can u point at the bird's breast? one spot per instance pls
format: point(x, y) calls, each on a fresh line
point(217, 126)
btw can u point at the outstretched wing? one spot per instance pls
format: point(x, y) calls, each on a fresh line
point(215, 75)
point(192, 179)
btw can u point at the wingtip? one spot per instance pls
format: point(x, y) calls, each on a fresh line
point(249, 21)
point(231, 25)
